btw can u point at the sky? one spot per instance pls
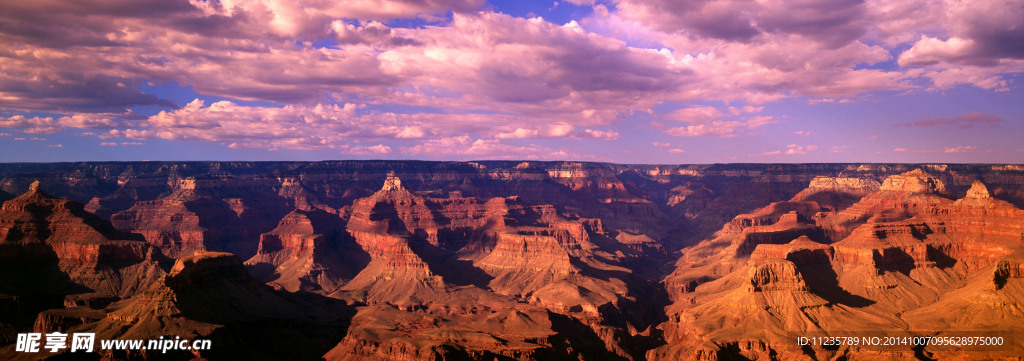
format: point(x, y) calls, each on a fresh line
point(627, 81)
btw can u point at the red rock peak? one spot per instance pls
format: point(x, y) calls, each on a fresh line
point(978, 191)
point(915, 181)
point(392, 183)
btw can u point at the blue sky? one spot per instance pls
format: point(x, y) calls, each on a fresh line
point(623, 81)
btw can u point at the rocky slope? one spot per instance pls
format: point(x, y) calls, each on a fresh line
point(200, 214)
point(307, 251)
point(211, 296)
point(52, 252)
point(909, 259)
point(38, 228)
point(513, 260)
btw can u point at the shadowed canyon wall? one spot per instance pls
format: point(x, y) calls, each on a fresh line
point(408, 260)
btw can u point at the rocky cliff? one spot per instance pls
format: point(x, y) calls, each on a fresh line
point(905, 258)
point(211, 296)
point(410, 260)
point(37, 228)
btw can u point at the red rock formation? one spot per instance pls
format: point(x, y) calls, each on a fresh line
point(900, 197)
point(386, 332)
point(302, 253)
point(518, 251)
point(52, 250)
point(777, 223)
point(64, 319)
point(836, 193)
point(384, 224)
point(88, 249)
point(526, 260)
point(198, 215)
point(912, 258)
point(167, 223)
point(210, 296)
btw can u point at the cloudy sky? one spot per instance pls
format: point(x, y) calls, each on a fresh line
point(631, 81)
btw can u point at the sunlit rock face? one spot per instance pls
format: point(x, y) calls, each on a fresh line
point(37, 229)
point(512, 260)
point(907, 259)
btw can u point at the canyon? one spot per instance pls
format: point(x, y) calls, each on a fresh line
point(508, 260)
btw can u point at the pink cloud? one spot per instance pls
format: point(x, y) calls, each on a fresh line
point(724, 129)
point(798, 149)
point(777, 66)
point(466, 148)
point(676, 150)
point(241, 64)
point(373, 149)
point(695, 115)
point(948, 150)
point(792, 149)
point(325, 126)
point(758, 121)
point(829, 22)
point(979, 33)
point(50, 125)
point(519, 133)
point(961, 149)
point(534, 68)
point(930, 51)
point(260, 50)
point(490, 76)
point(599, 134)
point(963, 120)
point(36, 78)
point(709, 121)
point(974, 43)
point(660, 144)
point(368, 32)
point(745, 109)
point(34, 124)
point(989, 78)
point(306, 18)
point(293, 126)
point(556, 130)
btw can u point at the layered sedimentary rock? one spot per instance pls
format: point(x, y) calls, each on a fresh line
point(37, 228)
point(204, 214)
point(307, 251)
point(473, 325)
point(211, 296)
point(836, 193)
point(544, 260)
point(386, 225)
point(52, 250)
point(913, 261)
point(434, 254)
point(899, 197)
point(521, 260)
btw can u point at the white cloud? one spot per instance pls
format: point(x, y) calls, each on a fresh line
point(792, 149)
